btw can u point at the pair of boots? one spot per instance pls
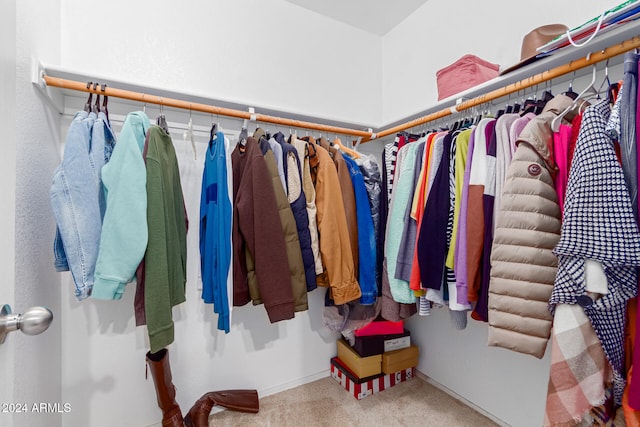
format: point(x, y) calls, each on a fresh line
point(198, 416)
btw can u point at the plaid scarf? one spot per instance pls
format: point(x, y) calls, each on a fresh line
point(599, 224)
point(579, 369)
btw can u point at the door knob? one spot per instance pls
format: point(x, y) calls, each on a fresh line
point(34, 321)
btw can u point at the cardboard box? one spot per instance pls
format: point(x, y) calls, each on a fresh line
point(362, 366)
point(369, 345)
point(397, 360)
point(361, 388)
point(380, 327)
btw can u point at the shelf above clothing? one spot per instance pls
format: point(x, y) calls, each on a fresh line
point(605, 47)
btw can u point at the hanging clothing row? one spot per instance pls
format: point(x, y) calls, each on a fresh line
point(527, 221)
point(277, 217)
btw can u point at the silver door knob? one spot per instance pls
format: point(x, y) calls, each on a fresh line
point(34, 321)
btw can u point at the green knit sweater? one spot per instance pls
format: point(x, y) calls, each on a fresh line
point(166, 256)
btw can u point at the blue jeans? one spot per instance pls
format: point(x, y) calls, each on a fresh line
point(77, 198)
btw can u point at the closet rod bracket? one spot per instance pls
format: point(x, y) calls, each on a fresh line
point(54, 99)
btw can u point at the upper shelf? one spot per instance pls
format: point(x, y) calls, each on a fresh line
point(564, 61)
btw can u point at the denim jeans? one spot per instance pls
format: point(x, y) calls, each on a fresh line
point(77, 198)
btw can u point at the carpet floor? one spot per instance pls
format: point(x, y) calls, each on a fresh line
point(326, 403)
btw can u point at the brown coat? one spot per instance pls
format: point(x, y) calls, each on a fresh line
point(257, 229)
point(523, 266)
point(335, 247)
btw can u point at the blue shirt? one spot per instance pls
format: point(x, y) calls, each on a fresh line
point(215, 231)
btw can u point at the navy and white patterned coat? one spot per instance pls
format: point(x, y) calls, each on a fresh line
point(599, 224)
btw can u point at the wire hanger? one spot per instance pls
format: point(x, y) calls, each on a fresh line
point(555, 123)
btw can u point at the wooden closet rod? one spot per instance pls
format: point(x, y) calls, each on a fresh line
point(366, 136)
point(194, 106)
point(553, 73)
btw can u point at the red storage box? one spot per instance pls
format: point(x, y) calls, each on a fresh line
point(465, 73)
point(363, 387)
point(380, 327)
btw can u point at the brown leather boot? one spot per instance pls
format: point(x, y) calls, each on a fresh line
point(235, 400)
point(198, 415)
point(166, 392)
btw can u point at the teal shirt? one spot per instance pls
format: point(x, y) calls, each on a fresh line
point(402, 192)
point(124, 231)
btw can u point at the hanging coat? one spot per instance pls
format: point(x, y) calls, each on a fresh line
point(523, 266)
point(298, 203)
point(258, 230)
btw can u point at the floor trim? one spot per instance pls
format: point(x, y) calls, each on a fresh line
point(456, 396)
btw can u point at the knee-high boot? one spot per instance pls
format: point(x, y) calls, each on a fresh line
point(235, 400)
point(165, 391)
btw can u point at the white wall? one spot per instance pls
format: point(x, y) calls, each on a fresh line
point(272, 53)
point(442, 31)
point(279, 56)
point(36, 367)
point(509, 386)
point(7, 189)
point(268, 52)
point(103, 367)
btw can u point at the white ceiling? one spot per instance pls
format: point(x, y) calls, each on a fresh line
point(374, 16)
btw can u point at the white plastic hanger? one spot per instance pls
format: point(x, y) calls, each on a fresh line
point(590, 90)
point(188, 136)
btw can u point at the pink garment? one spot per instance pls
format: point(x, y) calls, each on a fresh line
point(561, 141)
point(516, 129)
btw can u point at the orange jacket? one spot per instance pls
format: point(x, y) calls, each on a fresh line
point(335, 247)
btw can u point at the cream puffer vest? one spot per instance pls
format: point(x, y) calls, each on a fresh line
point(523, 266)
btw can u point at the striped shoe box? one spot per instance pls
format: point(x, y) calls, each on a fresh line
point(363, 387)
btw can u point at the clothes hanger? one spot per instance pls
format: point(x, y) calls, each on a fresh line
point(105, 101)
point(590, 89)
point(605, 80)
point(542, 102)
point(570, 93)
point(353, 153)
point(188, 136)
point(529, 104)
point(516, 107)
point(95, 108)
point(243, 135)
point(161, 120)
point(87, 105)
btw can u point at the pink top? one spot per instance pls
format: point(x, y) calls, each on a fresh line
point(561, 140)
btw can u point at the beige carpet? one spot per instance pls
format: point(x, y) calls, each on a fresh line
point(326, 403)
